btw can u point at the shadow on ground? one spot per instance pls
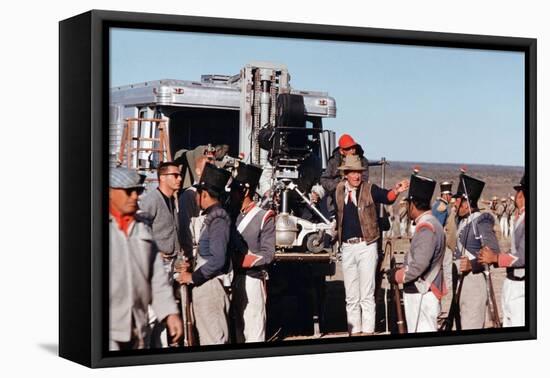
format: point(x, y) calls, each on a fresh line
point(50, 348)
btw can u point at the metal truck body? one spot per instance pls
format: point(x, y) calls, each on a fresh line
point(217, 109)
point(220, 109)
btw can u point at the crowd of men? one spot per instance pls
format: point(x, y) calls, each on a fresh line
point(201, 234)
point(504, 210)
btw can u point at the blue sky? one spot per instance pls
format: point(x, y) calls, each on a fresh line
point(405, 103)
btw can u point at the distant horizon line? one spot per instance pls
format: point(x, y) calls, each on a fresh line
point(466, 165)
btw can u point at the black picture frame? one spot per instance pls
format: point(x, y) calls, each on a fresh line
point(83, 110)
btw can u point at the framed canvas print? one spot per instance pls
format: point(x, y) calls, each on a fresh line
point(234, 188)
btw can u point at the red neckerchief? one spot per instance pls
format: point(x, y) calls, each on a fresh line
point(123, 221)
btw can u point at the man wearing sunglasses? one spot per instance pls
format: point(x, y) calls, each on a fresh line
point(160, 206)
point(137, 277)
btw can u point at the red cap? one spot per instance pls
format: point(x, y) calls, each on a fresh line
point(346, 141)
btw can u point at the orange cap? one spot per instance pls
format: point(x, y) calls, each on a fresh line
point(346, 141)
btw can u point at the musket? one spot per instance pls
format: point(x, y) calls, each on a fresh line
point(454, 311)
point(401, 323)
point(189, 329)
point(491, 299)
point(186, 314)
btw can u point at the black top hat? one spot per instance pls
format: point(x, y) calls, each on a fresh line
point(446, 187)
point(521, 185)
point(248, 175)
point(474, 187)
point(213, 178)
point(421, 188)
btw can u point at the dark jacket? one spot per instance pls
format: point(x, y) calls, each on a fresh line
point(332, 176)
point(213, 245)
point(467, 240)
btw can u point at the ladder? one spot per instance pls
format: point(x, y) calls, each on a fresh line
point(134, 147)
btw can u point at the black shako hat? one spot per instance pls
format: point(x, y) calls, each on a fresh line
point(213, 178)
point(421, 188)
point(446, 187)
point(248, 175)
point(521, 185)
point(474, 187)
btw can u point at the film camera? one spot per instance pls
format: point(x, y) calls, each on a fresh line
point(295, 153)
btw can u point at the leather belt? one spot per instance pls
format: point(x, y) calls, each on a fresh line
point(514, 278)
point(354, 240)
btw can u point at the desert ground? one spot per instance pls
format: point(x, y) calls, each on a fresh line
point(312, 304)
point(499, 180)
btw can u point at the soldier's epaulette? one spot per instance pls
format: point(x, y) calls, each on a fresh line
point(485, 217)
point(268, 214)
point(217, 212)
point(427, 225)
point(442, 206)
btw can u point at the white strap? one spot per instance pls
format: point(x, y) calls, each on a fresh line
point(248, 218)
point(466, 253)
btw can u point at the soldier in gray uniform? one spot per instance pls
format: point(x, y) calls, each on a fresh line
point(474, 230)
point(210, 299)
point(513, 290)
point(253, 249)
point(421, 274)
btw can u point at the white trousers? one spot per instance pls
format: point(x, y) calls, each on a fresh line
point(473, 301)
point(448, 277)
point(504, 226)
point(211, 310)
point(429, 308)
point(513, 303)
point(511, 225)
point(404, 228)
point(248, 306)
point(359, 267)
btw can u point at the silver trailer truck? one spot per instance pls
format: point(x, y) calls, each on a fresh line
point(264, 121)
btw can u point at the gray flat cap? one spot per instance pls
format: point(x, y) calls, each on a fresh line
point(124, 178)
